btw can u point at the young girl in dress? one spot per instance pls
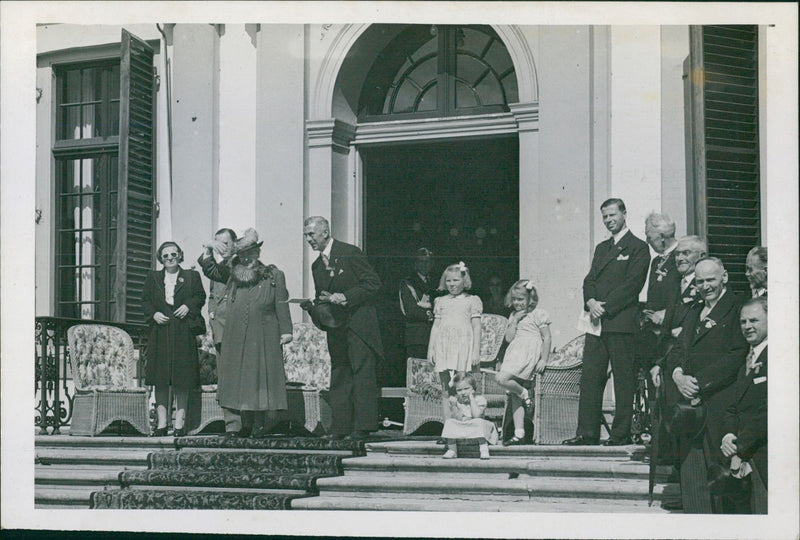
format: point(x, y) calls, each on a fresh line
point(464, 418)
point(528, 334)
point(455, 337)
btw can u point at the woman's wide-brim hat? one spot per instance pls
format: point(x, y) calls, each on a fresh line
point(246, 242)
point(327, 316)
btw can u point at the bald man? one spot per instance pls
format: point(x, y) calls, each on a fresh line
point(700, 372)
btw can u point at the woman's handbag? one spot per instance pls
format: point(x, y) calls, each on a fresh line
point(197, 325)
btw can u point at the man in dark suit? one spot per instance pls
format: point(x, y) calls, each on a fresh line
point(416, 305)
point(745, 422)
point(703, 366)
point(688, 251)
point(663, 285)
point(611, 294)
point(756, 271)
point(343, 277)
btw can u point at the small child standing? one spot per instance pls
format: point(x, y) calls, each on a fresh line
point(464, 419)
point(528, 333)
point(455, 337)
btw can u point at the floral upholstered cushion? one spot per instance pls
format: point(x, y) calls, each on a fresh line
point(493, 330)
point(422, 379)
point(570, 355)
point(306, 358)
point(101, 357)
point(207, 358)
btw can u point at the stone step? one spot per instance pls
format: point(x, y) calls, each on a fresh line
point(63, 496)
point(93, 456)
point(523, 488)
point(404, 504)
point(502, 466)
point(416, 447)
point(245, 460)
point(112, 442)
point(77, 476)
point(227, 479)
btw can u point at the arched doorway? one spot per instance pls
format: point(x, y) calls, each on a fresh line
point(377, 130)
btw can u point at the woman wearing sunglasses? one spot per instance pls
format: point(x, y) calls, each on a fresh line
point(172, 299)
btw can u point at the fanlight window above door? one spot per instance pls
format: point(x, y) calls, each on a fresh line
point(434, 71)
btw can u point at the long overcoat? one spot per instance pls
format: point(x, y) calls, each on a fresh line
point(172, 347)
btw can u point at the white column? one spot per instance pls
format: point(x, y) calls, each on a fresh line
point(237, 129)
point(636, 120)
point(279, 150)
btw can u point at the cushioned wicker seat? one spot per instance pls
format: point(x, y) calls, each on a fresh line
point(556, 395)
point(203, 408)
point(423, 386)
point(308, 377)
point(104, 373)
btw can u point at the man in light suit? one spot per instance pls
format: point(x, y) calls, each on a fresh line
point(703, 366)
point(343, 277)
point(611, 295)
point(745, 422)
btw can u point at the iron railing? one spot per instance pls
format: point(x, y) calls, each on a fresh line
point(53, 389)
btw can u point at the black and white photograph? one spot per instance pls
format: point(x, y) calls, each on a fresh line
point(432, 269)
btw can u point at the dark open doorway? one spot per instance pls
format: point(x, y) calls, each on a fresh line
point(458, 198)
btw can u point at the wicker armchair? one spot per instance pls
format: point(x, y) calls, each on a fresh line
point(493, 331)
point(423, 388)
point(308, 378)
point(556, 396)
point(203, 408)
point(104, 373)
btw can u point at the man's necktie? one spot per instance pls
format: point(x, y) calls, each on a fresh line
point(749, 362)
point(684, 284)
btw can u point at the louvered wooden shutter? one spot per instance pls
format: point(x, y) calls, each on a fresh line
point(136, 176)
point(723, 84)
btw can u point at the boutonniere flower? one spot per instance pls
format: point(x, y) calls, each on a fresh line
point(180, 280)
point(692, 291)
point(661, 274)
point(709, 323)
point(341, 271)
point(757, 367)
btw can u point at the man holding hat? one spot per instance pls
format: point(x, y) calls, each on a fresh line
point(346, 286)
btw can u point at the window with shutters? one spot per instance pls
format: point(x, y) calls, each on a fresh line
point(104, 186)
point(721, 77)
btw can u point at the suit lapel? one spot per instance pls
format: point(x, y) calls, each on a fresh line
point(750, 377)
point(611, 251)
point(179, 282)
point(715, 315)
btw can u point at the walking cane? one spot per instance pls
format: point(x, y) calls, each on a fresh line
point(655, 439)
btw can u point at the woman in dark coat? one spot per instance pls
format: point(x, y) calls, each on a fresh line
point(250, 374)
point(172, 300)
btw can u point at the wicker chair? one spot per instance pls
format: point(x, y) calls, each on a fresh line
point(423, 387)
point(308, 378)
point(557, 393)
point(104, 373)
point(203, 408)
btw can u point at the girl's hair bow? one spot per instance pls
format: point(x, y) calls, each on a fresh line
point(529, 285)
point(462, 266)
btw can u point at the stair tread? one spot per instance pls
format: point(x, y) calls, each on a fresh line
point(43, 475)
point(453, 505)
point(61, 441)
point(589, 487)
point(428, 447)
point(523, 465)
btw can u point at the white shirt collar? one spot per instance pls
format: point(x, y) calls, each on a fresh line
point(757, 350)
point(620, 234)
point(327, 250)
point(423, 278)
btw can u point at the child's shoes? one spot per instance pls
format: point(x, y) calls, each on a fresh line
point(450, 454)
point(484, 449)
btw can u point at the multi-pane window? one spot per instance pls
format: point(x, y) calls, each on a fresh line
point(87, 138)
point(104, 185)
point(440, 70)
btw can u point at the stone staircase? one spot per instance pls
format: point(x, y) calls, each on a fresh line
point(68, 469)
point(412, 476)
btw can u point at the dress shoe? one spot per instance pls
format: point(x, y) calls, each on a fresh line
point(160, 432)
point(358, 435)
point(514, 441)
point(244, 432)
point(580, 440)
point(179, 432)
point(618, 442)
point(258, 432)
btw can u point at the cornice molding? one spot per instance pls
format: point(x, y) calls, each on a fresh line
point(330, 132)
point(526, 116)
point(436, 128)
